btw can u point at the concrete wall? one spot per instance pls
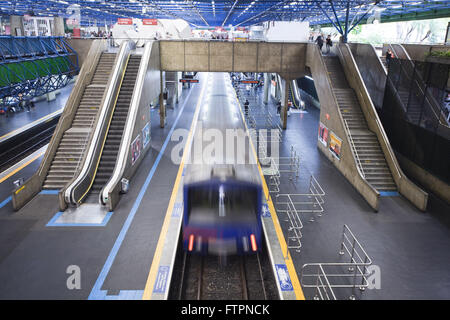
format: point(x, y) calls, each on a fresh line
point(58, 29)
point(33, 185)
point(372, 71)
point(419, 51)
point(81, 47)
point(429, 181)
point(331, 117)
point(16, 24)
point(287, 59)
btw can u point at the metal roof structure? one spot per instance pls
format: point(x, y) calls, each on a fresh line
point(211, 13)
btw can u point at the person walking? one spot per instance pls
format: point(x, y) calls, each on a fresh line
point(389, 56)
point(329, 44)
point(246, 103)
point(319, 42)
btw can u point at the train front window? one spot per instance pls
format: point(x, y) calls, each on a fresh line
point(222, 203)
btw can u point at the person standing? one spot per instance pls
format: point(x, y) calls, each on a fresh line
point(389, 56)
point(329, 44)
point(319, 42)
point(246, 103)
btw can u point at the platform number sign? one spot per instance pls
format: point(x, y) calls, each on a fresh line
point(161, 279)
point(265, 212)
point(283, 277)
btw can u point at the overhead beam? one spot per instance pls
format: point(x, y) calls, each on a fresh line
point(229, 12)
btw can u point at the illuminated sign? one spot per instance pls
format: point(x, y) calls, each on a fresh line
point(250, 81)
point(150, 22)
point(125, 21)
point(189, 80)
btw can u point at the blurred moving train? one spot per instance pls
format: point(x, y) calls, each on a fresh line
point(223, 201)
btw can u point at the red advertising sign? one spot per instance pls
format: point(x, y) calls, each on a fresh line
point(76, 33)
point(150, 22)
point(125, 21)
point(189, 80)
point(250, 81)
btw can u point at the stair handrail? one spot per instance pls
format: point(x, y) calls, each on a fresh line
point(108, 102)
point(119, 168)
point(431, 100)
point(352, 143)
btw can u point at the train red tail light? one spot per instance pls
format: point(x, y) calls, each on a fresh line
point(191, 242)
point(253, 242)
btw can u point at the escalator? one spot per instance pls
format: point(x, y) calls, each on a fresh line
point(72, 146)
point(116, 128)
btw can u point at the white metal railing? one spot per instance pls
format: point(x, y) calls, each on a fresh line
point(339, 275)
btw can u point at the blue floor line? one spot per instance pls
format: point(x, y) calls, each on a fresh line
point(5, 202)
point(49, 192)
point(97, 293)
point(389, 194)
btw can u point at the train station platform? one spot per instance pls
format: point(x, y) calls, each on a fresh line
point(20, 121)
point(409, 246)
point(114, 256)
point(118, 263)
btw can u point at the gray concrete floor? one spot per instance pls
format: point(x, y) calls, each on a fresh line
point(409, 246)
point(34, 258)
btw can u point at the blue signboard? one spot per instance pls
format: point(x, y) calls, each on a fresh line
point(283, 277)
point(161, 279)
point(265, 212)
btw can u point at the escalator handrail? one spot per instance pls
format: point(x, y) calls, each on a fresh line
point(117, 76)
point(122, 155)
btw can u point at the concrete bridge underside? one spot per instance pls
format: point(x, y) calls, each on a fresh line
point(286, 59)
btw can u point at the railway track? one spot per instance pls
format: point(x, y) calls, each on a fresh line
point(198, 277)
point(19, 147)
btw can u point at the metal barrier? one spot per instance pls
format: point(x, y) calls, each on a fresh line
point(327, 277)
point(276, 167)
point(294, 206)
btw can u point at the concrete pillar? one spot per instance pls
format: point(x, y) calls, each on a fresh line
point(162, 106)
point(179, 85)
point(284, 101)
point(267, 83)
point(51, 96)
point(58, 26)
point(16, 25)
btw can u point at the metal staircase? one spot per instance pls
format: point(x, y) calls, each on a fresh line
point(115, 132)
point(365, 145)
point(73, 144)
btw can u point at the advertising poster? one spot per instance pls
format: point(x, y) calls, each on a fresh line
point(323, 134)
point(146, 134)
point(135, 149)
point(335, 145)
